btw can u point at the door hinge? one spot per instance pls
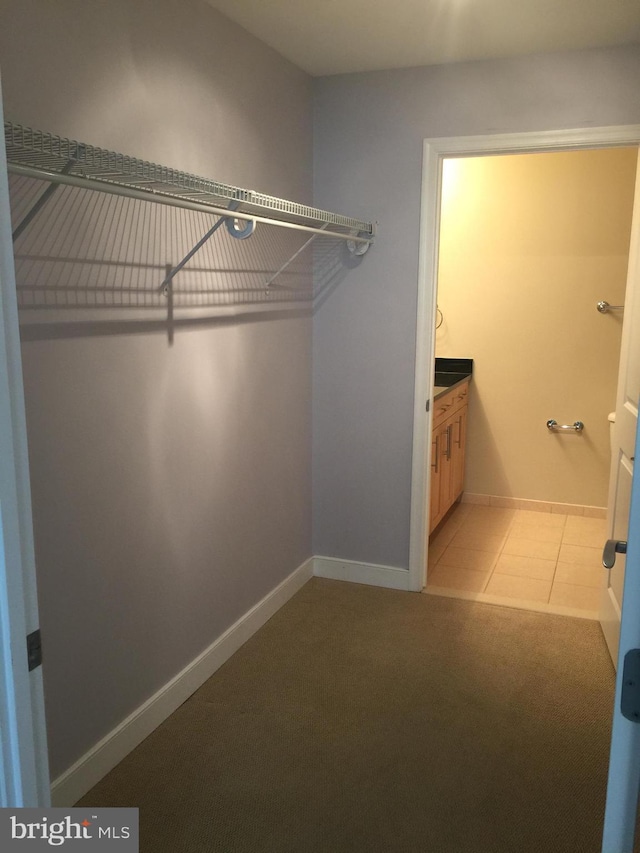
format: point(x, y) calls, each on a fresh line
point(630, 698)
point(34, 649)
point(428, 404)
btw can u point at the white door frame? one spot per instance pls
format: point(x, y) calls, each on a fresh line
point(434, 152)
point(24, 767)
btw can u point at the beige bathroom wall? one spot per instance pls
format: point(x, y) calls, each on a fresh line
point(529, 244)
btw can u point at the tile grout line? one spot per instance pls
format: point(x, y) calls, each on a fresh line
point(499, 554)
point(571, 544)
point(555, 569)
point(501, 551)
point(536, 605)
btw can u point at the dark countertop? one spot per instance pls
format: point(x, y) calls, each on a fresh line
point(451, 372)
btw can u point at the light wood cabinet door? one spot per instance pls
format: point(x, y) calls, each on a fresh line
point(446, 483)
point(441, 473)
point(435, 505)
point(447, 452)
point(459, 429)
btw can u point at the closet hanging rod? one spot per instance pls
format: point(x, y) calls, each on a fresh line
point(43, 156)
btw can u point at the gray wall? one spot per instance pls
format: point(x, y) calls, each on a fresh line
point(171, 484)
point(368, 137)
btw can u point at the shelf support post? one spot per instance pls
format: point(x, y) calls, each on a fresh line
point(40, 203)
point(169, 292)
point(164, 287)
point(293, 257)
point(172, 272)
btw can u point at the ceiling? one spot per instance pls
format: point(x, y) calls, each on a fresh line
point(340, 36)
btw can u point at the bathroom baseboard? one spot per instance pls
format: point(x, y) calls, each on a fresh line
point(103, 757)
point(535, 506)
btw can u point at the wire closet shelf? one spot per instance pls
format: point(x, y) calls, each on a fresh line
point(44, 156)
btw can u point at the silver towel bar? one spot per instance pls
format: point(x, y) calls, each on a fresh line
point(554, 426)
point(604, 307)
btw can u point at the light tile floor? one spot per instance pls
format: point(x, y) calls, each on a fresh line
point(521, 558)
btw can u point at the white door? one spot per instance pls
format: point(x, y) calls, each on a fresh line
point(624, 437)
point(624, 764)
point(621, 622)
point(24, 772)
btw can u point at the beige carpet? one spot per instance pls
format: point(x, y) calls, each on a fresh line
point(367, 720)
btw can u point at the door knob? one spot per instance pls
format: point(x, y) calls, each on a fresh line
point(611, 548)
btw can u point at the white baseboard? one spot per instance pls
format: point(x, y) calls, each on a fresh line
point(103, 757)
point(367, 573)
point(535, 506)
point(107, 753)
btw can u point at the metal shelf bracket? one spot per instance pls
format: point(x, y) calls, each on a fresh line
point(233, 227)
point(40, 203)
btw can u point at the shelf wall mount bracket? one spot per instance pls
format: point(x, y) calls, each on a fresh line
point(240, 232)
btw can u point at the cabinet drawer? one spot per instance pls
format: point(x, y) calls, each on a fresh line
point(449, 403)
point(460, 395)
point(443, 406)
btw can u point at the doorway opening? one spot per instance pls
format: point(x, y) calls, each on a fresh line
point(529, 245)
point(437, 153)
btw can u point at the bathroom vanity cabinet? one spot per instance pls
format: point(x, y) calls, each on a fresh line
point(448, 449)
